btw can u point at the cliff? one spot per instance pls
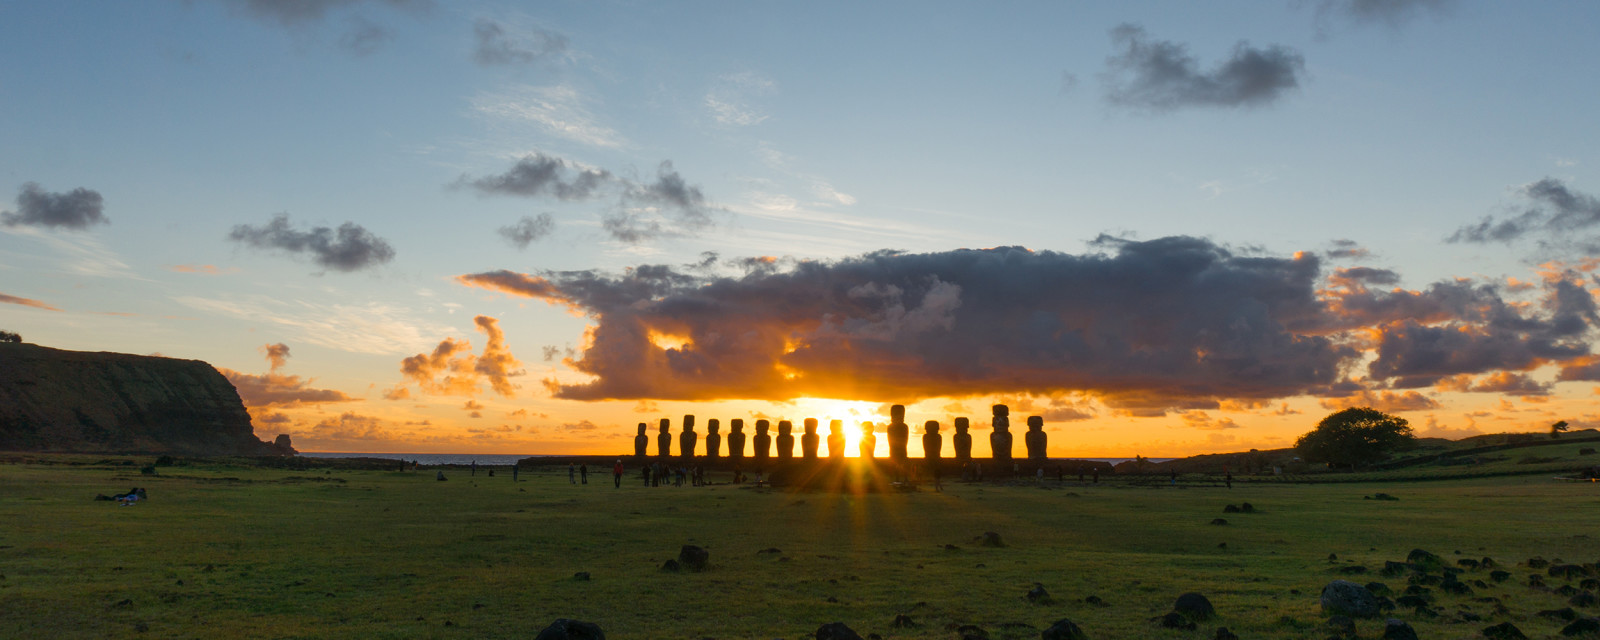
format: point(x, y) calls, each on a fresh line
point(55, 400)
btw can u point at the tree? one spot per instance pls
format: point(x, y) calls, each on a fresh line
point(1355, 436)
point(1557, 429)
point(7, 336)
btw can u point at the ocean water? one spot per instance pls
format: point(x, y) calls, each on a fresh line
point(500, 459)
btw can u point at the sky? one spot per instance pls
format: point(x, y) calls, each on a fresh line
point(1165, 228)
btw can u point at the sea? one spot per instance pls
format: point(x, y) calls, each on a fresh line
point(501, 459)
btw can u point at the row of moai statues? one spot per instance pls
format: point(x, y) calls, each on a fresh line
point(898, 432)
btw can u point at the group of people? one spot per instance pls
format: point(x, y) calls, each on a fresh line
point(655, 473)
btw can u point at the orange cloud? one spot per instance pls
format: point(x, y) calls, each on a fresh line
point(26, 302)
point(452, 369)
point(1387, 401)
point(204, 269)
point(277, 355)
point(280, 390)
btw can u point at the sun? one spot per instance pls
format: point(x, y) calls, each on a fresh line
point(849, 413)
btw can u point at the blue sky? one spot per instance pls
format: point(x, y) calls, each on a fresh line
point(810, 131)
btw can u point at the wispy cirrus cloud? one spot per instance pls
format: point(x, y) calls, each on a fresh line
point(731, 96)
point(500, 42)
point(558, 110)
point(371, 327)
point(26, 302)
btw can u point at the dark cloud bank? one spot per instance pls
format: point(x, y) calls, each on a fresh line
point(1558, 218)
point(1172, 323)
point(1160, 75)
point(349, 248)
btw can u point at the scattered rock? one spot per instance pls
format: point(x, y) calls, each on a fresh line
point(771, 550)
point(1566, 590)
point(1590, 583)
point(1175, 620)
point(581, 576)
point(1537, 562)
point(1486, 563)
point(1194, 606)
point(1535, 580)
point(972, 632)
point(989, 539)
point(1379, 496)
point(903, 621)
point(694, 558)
point(1219, 522)
point(1344, 598)
point(1396, 629)
point(1063, 629)
point(1415, 602)
point(1583, 599)
point(1096, 601)
point(1565, 614)
point(1582, 627)
point(1353, 569)
point(1499, 576)
point(836, 631)
point(1232, 508)
point(1425, 559)
point(1392, 568)
point(951, 547)
point(564, 629)
point(1468, 563)
point(671, 565)
point(1504, 631)
point(1224, 634)
point(1378, 588)
point(1568, 571)
point(1038, 595)
point(1247, 507)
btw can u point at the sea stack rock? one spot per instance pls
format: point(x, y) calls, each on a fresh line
point(899, 433)
point(1036, 439)
point(664, 439)
point(763, 441)
point(641, 442)
point(962, 441)
point(810, 441)
point(869, 442)
point(1000, 440)
point(836, 439)
point(785, 440)
point(736, 439)
point(713, 439)
point(932, 442)
point(688, 441)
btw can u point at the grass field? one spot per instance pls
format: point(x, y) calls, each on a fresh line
point(233, 550)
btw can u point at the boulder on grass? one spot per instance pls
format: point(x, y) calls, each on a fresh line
point(836, 631)
point(1342, 597)
point(564, 629)
point(1063, 629)
point(694, 558)
point(1194, 606)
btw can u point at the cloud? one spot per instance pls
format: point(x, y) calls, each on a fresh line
point(1393, 13)
point(1386, 401)
point(665, 206)
point(541, 175)
point(350, 248)
point(354, 327)
point(277, 355)
point(1347, 249)
point(26, 302)
point(1175, 316)
point(364, 37)
point(348, 427)
point(527, 230)
point(452, 369)
point(729, 98)
point(1559, 217)
point(271, 389)
point(204, 269)
point(499, 45)
point(77, 209)
point(559, 110)
point(1512, 384)
point(1159, 75)
point(292, 13)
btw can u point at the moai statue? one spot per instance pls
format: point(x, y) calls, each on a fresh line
point(664, 440)
point(641, 442)
point(687, 439)
point(763, 441)
point(713, 439)
point(899, 433)
point(932, 442)
point(1000, 440)
point(836, 439)
point(1035, 438)
point(962, 441)
point(736, 439)
point(785, 440)
point(809, 441)
point(869, 442)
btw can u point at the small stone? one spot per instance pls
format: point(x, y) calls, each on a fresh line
point(1378, 588)
point(1175, 620)
point(1224, 634)
point(1396, 629)
point(1503, 631)
point(1095, 600)
point(836, 631)
point(1194, 606)
point(1564, 614)
point(990, 539)
point(1232, 508)
point(1063, 629)
point(1247, 508)
point(1582, 599)
point(1499, 576)
point(1582, 627)
point(581, 576)
point(1038, 595)
point(694, 558)
point(1219, 522)
point(671, 565)
point(1537, 562)
point(903, 621)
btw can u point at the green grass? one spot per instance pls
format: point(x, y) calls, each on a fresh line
point(226, 550)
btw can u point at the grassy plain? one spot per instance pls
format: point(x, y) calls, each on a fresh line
point(234, 550)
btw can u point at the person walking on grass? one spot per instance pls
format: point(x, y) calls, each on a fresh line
point(583, 471)
point(572, 473)
point(616, 473)
point(513, 473)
